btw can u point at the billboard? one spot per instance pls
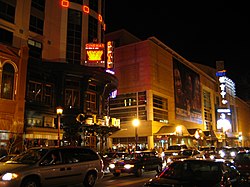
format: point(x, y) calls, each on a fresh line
point(187, 91)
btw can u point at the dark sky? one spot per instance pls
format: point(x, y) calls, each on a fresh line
point(200, 31)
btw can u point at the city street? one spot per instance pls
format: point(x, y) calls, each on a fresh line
point(124, 180)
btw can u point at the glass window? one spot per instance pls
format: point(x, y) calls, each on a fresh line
point(160, 109)
point(7, 81)
point(6, 36)
point(74, 37)
point(90, 101)
point(7, 10)
point(93, 29)
point(72, 98)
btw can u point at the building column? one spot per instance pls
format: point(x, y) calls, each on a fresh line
point(150, 142)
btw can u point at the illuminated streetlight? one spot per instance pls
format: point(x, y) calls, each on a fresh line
point(136, 123)
point(59, 112)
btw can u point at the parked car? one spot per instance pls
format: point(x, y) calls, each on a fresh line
point(196, 172)
point(173, 150)
point(34, 167)
point(136, 163)
point(228, 153)
point(242, 163)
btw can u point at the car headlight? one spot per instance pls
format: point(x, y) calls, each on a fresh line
point(112, 166)
point(169, 160)
point(9, 176)
point(233, 153)
point(128, 166)
point(222, 154)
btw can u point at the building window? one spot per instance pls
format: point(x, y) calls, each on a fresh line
point(126, 106)
point(93, 4)
point(93, 29)
point(90, 102)
point(7, 81)
point(37, 16)
point(35, 50)
point(6, 36)
point(36, 25)
point(7, 10)
point(38, 4)
point(72, 98)
point(74, 37)
point(207, 110)
point(35, 91)
point(160, 109)
point(40, 93)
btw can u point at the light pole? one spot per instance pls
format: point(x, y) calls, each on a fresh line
point(59, 112)
point(136, 123)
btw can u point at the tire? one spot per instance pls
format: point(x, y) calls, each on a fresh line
point(138, 172)
point(30, 182)
point(90, 179)
point(116, 174)
point(158, 169)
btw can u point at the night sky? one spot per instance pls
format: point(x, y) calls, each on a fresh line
point(200, 31)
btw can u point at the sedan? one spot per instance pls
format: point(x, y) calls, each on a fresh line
point(198, 173)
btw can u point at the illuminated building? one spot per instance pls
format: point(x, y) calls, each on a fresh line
point(168, 92)
point(56, 47)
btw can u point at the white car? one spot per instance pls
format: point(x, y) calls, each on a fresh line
point(73, 165)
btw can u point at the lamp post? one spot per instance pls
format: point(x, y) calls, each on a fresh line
point(59, 112)
point(136, 123)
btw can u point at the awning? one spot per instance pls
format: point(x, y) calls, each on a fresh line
point(210, 135)
point(171, 130)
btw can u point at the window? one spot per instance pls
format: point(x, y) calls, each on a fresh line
point(7, 10)
point(37, 16)
point(90, 101)
point(72, 98)
point(126, 106)
point(74, 37)
point(160, 109)
point(6, 36)
point(40, 92)
point(93, 4)
point(207, 110)
point(35, 50)
point(7, 81)
point(93, 29)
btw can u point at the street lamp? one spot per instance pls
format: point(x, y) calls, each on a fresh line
point(136, 123)
point(59, 112)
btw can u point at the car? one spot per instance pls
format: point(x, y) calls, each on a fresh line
point(110, 157)
point(173, 150)
point(228, 153)
point(34, 167)
point(137, 162)
point(196, 172)
point(242, 163)
point(183, 154)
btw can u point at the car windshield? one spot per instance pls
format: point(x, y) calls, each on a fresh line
point(30, 156)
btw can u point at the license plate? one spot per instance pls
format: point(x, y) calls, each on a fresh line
point(118, 171)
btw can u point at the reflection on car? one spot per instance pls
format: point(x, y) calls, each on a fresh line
point(35, 167)
point(198, 173)
point(242, 163)
point(7, 157)
point(136, 163)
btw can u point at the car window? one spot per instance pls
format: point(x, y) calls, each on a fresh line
point(30, 156)
point(79, 155)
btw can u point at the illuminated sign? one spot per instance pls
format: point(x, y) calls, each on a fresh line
point(65, 3)
point(95, 54)
point(110, 55)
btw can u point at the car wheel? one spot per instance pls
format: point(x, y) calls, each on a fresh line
point(158, 169)
point(90, 179)
point(138, 172)
point(116, 174)
point(30, 182)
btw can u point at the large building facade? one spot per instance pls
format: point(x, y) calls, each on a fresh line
point(53, 54)
point(175, 100)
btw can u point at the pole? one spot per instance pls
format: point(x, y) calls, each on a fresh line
point(58, 127)
point(136, 138)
